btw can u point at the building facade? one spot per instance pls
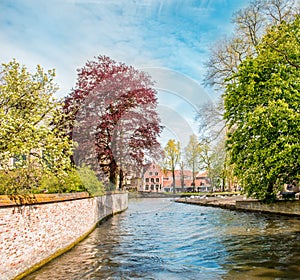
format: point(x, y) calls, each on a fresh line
point(152, 179)
point(156, 180)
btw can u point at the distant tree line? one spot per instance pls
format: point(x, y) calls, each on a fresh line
point(197, 156)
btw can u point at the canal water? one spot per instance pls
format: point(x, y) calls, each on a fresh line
point(162, 239)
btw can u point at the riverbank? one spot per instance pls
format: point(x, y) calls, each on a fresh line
point(241, 203)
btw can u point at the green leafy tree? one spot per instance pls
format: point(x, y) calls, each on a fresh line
point(262, 112)
point(172, 157)
point(32, 142)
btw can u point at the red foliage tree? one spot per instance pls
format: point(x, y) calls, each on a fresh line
point(115, 123)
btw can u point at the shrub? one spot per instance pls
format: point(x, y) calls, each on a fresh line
point(19, 181)
point(71, 182)
point(23, 181)
point(90, 181)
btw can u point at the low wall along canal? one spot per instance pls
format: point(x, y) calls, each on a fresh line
point(45, 226)
point(281, 207)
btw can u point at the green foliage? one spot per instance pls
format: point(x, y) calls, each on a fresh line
point(262, 111)
point(19, 181)
point(32, 142)
point(69, 183)
point(90, 181)
point(23, 181)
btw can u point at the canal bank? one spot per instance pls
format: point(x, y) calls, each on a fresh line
point(36, 229)
point(280, 207)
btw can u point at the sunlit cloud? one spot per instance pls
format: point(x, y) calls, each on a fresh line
point(148, 34)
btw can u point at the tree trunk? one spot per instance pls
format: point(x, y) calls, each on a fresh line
point(223, 183)
point(193, 183)
point(173, 173)
point(182, 184)
point(270, 196)
point(112, 175)
point(182, 180)
point(121, 177)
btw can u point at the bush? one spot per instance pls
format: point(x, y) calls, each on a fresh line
point(19, 181)
point(90, 181)
point(24, 181)
point(71, 182)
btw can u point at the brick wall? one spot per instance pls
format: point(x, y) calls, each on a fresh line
point(33, 234)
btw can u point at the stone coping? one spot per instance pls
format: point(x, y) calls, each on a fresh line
point(28, 199)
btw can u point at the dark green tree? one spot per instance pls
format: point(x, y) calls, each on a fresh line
point(263, 114)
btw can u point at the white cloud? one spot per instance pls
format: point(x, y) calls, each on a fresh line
point(167, 38)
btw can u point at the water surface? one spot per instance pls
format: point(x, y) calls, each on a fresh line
point(161, 239)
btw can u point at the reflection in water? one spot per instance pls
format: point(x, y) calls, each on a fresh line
point(160, 239)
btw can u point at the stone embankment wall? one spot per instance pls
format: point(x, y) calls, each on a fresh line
point(281, 207)
point(291, 207)
point(33, 234)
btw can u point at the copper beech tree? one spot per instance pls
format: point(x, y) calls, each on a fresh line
point(114, 119)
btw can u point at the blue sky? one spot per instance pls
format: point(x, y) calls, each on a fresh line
point(170, 38)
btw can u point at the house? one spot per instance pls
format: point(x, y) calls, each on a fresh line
point(156, 180)
point(152, 180)
point(184, 181)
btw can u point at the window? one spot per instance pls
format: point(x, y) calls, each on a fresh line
point(157, 180)
point(152, 187)
point(152, 180)
point(166, 179)
point(147, 180)
point(147, 188)
point(150, 173)
point(156, 173)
